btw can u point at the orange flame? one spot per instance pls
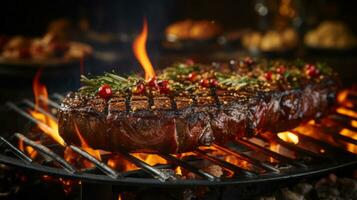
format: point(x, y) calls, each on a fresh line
point(288, 136)
point(139, 48)
point(342, 98)
point(28, 149)
point(85, 146)
point(151, 159)
point(352, 134)
point(47, 125)
point(178, 170)
point(354, 123)
point(118, 162)
point(347, 112)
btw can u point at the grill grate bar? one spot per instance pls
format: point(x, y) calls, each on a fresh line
point(296, 148)
point(58, 96)
point(347, 139)
point(343, 121)
point(344, 117)
point(46, 151)
point(100, 165)
point(248, 159)
point(49, 101)
point(339, 136)
point(16, 151)
point(32, 105)
point(273, 154)
point(227, 165)
point(325, 145)
point(28, 116)
point(189, 167)
point(156, 173)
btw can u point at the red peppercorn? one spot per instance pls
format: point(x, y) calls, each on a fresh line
point(152, 82)
point(213, 82)
point(164, 86)
point(281, 69)
point(268, 76)
point(311, 70)
point(189, 62)
point(191, 76)
point(205, 83)
point(139, 89)
point(105, 91)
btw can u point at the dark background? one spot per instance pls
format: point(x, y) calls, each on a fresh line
point(32, 17)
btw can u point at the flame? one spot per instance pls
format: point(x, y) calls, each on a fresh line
point(118, 162)
point(119, 197)
point(31, 152)
point(28, 149)
point(47, 125)
point(151, 159)
point(178, 170)
point(276, 148)
point(354, 123)
point(288, 136)
point(85, 146)
point(50, 126)
point(347, 112)
point(352, 134)
point(342, 96)
point(319, 134)
point(139, 48)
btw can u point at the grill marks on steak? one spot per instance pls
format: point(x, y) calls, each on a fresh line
point(182, 123)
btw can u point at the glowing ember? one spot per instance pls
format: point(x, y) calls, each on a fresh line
point(342, 96)
point(85, 146)
point(352, 134)
point(47, 125)
point(28, 149)
point(288, 136)
point(276, 148)
point(139, 48)
point(31, 152)
point(354, 123)
point(118, 162)
point(347, 112)
point(349, 133)
point(150, 159)
point(178, 170)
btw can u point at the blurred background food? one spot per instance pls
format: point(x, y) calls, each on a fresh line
point(330, 35)
point(192, 30)
point(51, 45)
point(272, 40)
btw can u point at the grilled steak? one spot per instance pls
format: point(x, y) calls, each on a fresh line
point(181, 121)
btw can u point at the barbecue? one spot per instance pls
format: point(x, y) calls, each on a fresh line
point(207, 100)
point(198, 106)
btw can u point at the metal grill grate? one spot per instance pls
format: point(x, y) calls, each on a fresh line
point(260, 162)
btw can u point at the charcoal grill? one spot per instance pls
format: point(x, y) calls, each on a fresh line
point(299, 162)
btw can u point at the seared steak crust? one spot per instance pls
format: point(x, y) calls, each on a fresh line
point(182, 123)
